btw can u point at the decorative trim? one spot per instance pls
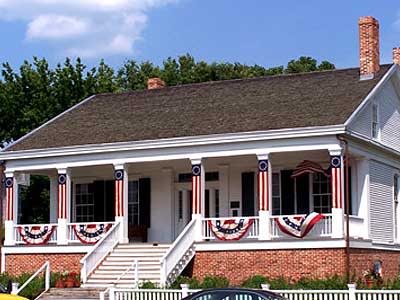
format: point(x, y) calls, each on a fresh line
point(336, 181)
point(62, 196)
point(119, 192)
point(263, 190)
point(9, 185)
point(196, 188)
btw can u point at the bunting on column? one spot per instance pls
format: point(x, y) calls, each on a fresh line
point(62, 196)
point(119, 192)
point(336, 181)
point(196, 188)
point(9, 184)
point(263, 184)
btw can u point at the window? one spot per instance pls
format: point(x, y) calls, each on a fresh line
point(375, 122)
point(84, 203)
point(180, 205)
point(133, 202)
point(321, 193)
point(217, 203)
point(276, 194)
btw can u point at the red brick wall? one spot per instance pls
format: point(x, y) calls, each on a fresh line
point(237, 266)
point(16, 264)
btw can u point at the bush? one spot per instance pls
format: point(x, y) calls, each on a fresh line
point(193, 282)
point(254, 282)
point(147, 285)
point(214, 282)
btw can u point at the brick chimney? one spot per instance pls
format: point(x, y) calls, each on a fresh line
point(396, 56)
point(155, 83)
point(369, 47)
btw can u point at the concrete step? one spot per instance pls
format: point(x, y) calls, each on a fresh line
point(72, 294)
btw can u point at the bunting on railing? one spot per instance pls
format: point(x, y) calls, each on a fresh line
point(298, 226)
point(308, 167)
point(36, 234)
point(90, 233)
point(229, 230)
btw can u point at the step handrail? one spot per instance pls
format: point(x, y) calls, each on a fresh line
point(86, 267)
point(178, 249)
point(46, 266)
point(135, 265)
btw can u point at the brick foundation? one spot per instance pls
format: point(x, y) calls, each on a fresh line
point(17, 264)
point(237, 266)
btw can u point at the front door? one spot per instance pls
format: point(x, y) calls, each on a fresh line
point(139, 198)
point(183, 209)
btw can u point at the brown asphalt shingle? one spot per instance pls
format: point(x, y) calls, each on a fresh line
point(286, 101)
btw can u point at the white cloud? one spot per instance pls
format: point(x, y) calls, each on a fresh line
point(86, 28)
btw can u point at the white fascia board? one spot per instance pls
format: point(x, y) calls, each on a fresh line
point(45, 249)
point(393, 69)
point(176, 142)
point(48, 122)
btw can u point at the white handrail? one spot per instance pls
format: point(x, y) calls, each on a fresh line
point(95, 256)
point(46, 266)
point(178, 249)
point(135, 264)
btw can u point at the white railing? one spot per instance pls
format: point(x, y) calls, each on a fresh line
point(46, 267)
point(19, 239)
point(322, 229)
point(252, 233)
point(102, 248)
point(179, 254)
point(72, 238)
point(350, 294)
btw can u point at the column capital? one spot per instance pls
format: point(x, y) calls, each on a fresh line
point(196, 160)
point(65, 170)
point(335, 152)
point(120, 166)
point(8, 174)
point(263, 156)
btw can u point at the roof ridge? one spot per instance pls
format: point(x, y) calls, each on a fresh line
point(227, 81)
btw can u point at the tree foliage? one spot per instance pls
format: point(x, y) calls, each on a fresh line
point(35, 92)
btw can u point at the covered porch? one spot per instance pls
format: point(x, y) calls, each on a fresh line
point(240, 197)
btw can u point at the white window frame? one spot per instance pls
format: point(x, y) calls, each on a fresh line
point(88, 217)
point(313, 194)
point(280, 192)
point(375, 122)
point(137, 203)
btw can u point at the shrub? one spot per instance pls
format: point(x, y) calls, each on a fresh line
point(214, 282)
point(147, 285)
point(193, 282)
point(254, 282)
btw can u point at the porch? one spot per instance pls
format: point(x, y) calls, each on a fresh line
point(155, 201)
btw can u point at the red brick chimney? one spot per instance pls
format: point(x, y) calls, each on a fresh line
point(369, 47)
point(396, 56)
point(155, 83)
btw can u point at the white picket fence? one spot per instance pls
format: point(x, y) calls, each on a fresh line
point(351, 294)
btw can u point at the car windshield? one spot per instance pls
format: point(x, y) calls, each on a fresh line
point(235, 295)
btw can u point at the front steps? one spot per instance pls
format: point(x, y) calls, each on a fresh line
point(72, 294)
point(149, 270)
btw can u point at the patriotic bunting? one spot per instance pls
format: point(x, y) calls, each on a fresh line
point(296, 226)
point(308, 167)
point(9, 184)
point(91, 233)
point(263, 184)
point(36, 234)
point(336, 175)
point(196, 188)
point(119, 192)
point(230, 230)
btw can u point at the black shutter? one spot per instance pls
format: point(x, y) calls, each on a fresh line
point(109, 191)
point(98, 194)
point(287, 188)
point(248, 194)
point(303, 194)
point(144, 201)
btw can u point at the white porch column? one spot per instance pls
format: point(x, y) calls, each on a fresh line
point(11, 203)
point(264, 196)
point(198, 192)
point(121, 200)
point(64, 205)
point(337, 190)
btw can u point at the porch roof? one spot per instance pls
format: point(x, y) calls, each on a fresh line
point(232, 106)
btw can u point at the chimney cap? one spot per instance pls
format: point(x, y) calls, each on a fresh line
point(367, 20)
point(155, 83)
point(396, 55)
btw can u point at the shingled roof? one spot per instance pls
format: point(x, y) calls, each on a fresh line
point(232, 106)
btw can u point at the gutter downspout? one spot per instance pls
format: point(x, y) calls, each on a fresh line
point(347, 205)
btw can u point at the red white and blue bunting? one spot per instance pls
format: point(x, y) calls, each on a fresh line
point(36, 234)
point(308, 167)
point(91, 233)
point(230, 230)
point(297, 226)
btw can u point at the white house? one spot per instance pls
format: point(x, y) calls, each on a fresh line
point(215, 177)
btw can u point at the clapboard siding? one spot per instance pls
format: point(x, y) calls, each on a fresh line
point(389, 106)
point(362, 122)
point(381, 202)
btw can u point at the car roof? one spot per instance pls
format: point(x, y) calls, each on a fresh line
point(256, 291)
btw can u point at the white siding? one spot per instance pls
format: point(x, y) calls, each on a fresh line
point(381, 202)
point(362, 122)
point(389, 114)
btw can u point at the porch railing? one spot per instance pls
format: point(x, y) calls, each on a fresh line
point(322, 229)
point(252, 233)
point(95, 256)
point(20, 240)
point(72, 237)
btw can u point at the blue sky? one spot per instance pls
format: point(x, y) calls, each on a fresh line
point(268, 33)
